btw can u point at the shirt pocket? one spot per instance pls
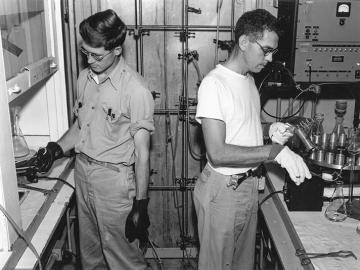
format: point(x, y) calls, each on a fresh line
point(114, 123)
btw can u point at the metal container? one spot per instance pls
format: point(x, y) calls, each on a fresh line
point(340, 159)
point(332, 141)
point(316, 139)
point(342, 140)
point(357, 162)
point(329, 157)
point(320, 155)
point(324, 140)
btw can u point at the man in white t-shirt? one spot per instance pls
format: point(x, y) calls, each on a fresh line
point(229, 112)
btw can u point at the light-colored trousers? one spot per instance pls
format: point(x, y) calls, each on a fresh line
point(227, 221)
point(104, 199)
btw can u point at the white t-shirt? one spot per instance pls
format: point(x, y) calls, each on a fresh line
point(234, 99)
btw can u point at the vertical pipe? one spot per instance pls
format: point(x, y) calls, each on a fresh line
point(291, 107)
point(232, 19)
point(278, 108)
point(141, 40)
point(136, 38)
point(313, 108)
point(186, 138)
point(302, 110)
point(184, 99)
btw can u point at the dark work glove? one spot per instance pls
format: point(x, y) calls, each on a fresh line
point(45, 157)
point(138, 222)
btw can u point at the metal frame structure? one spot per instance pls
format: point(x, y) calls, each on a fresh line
point(184, 184)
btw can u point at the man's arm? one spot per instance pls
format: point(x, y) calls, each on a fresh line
point(228, 155)
point(45, 157)
point(67, 141)
point(142, 162)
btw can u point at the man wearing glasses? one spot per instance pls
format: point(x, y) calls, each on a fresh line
point(111, 137)
point(226, 193)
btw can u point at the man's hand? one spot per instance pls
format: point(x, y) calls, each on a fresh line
point(138, 222)
point(45, 157)
point(294, 165)
point(280, 132)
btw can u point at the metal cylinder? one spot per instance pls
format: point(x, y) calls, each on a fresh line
point(357, 163)
point(342, 140)
point(324, 140)
point(340, 159)
point(320, 155)
point(329, 157)
point(316, 139)
point(304, 139)
point(332, 141)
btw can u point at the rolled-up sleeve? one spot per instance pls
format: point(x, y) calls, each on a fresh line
point(141, 110)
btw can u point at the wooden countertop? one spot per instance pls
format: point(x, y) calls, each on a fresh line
point(40, 214)
point(315, 232)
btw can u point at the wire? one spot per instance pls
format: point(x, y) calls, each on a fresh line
point(156, 255)
point(197, 68)
point(22, 235)
point(57, 179)
point(270, 195)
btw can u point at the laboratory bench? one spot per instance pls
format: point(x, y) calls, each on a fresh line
point(287, 236)
point(47, 216)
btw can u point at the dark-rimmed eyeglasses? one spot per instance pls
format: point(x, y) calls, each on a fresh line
point(267, 51)
point(96, 57)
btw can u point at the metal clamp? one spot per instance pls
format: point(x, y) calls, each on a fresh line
point(42, 190)
point(307, 256)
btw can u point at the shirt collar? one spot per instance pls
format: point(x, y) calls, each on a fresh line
point(113, 75)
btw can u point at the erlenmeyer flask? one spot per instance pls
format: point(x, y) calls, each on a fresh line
point(21, 148)
point(336, 211)
point(317, 127)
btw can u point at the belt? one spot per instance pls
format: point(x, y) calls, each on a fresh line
point(237, 179)
point(101, 163)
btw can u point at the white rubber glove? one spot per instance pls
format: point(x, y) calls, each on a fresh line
point(280, 132)
point(294, 165)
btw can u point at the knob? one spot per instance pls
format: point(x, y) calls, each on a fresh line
point(14, 90)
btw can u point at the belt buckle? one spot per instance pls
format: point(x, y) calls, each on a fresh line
point(236, 179)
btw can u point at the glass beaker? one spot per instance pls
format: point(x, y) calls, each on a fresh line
point(317, 128)
point(336, 210)
point(340, 110)
point(21, 148)
point(338, 127)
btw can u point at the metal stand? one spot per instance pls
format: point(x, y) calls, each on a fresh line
point(352, 205)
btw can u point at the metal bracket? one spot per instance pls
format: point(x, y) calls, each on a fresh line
point(155, 94)
point(183, 35)
point(224, 44)
point(137, 32)
point(194, 10)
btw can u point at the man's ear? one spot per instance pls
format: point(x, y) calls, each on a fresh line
point(243, 42)
point(118, 50)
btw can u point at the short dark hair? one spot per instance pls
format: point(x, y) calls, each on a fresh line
point(253, 24)
point(103, 29)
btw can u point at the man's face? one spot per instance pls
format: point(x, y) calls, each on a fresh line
point(261, 51)
point(99, 59)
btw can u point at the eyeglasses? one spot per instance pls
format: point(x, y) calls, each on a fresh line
point(97, 57)
point(267, 51)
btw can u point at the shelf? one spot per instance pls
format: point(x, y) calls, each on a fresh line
point(31, 75)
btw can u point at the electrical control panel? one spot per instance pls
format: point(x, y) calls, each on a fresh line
point(321, 39)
